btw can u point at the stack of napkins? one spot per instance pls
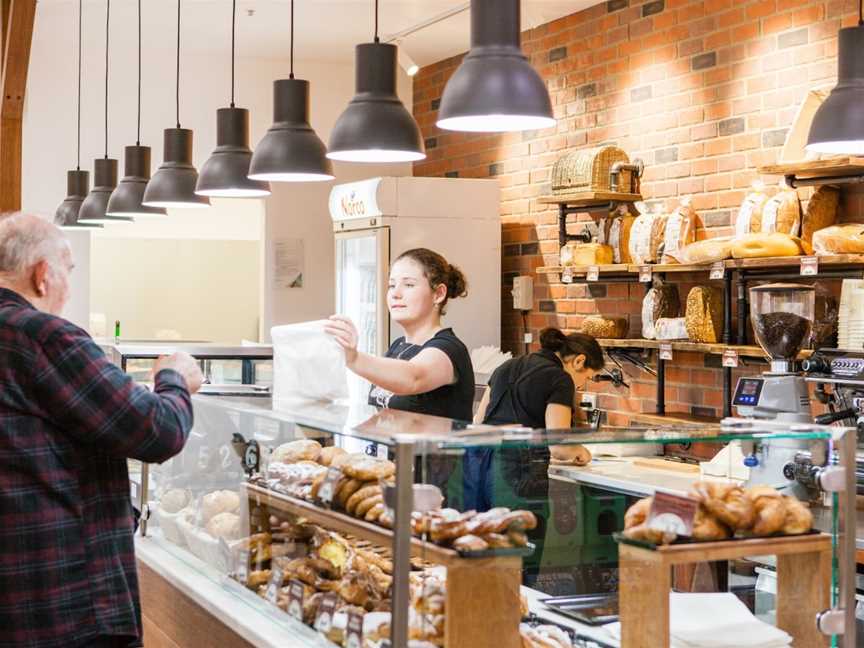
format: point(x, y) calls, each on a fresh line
point(715, 621)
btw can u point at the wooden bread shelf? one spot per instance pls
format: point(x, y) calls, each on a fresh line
point(747, 351)
point(793, 261)
point(583, 270)
point(834, 167)
point(588, 198)
point(368, 531)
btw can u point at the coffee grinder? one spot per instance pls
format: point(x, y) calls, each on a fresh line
point(782, 315)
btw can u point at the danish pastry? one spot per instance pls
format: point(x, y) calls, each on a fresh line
point(470, 543)
point(294, 451)
point(367, 468)
point(330, 453)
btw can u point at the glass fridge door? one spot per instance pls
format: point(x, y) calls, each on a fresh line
point(362, 266)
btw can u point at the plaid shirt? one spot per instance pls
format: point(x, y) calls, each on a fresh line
point(68, 421)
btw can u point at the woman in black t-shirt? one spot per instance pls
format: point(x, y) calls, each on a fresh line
point(428, 370)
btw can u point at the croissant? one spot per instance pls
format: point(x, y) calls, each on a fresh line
point(770, 510)
point(798, 519)
point(637, 513)
point(727, 502)
point(644, 533)
point(707, 527)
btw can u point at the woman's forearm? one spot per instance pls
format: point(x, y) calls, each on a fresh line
point(397, 376)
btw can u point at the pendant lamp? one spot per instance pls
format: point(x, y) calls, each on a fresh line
point(105, 169)
point(291, 151)
point(127, 197)
point(226, 173)
point(173, 184)
point(838, 125)
point(77, 181)
point(495, 89)
point(375, 126)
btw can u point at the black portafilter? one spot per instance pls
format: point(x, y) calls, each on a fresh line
point(816, 364)
point(615, 376)
point(833, 417)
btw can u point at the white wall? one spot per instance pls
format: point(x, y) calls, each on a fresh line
point(49, 131)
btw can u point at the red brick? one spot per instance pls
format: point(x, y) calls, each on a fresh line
point(761, 9)
point(730, 198)
point(718, 182)
point(704, 167)
point(730, 163)
point(777, 23)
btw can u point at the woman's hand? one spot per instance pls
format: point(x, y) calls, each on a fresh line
point(345, 333)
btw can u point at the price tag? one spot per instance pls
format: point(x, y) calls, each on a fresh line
point(133, 491)
point(295, 599)
point(809, 266)
point(327, 491)
point(567, 275)
point(226, 556)
point(665, 351)
point(593, 273)
point(273, 585)
point(730, 358)
point(354, 631)
point(382, 452)
point(645, 274)
point(717, 271)
point(324, 616)
point(672, 513)
point(242, 568)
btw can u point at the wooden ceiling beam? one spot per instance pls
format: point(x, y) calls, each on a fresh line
point(17, 35)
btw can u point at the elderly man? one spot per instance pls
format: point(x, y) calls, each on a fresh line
point(69, 419)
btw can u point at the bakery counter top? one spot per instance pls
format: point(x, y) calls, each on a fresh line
point(625, 475)
point(207, 598)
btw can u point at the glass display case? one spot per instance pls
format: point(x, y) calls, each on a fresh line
point(447, 534)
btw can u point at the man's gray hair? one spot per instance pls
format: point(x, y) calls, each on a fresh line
point(25, 240)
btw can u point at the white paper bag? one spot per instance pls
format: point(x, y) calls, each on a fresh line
point(308, 365)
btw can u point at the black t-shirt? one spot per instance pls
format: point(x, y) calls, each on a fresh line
point(524, 386)
point(451, 401)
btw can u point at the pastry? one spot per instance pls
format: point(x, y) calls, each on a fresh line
point(330, 453)
point(727, 502)
point(760, 245)
point(294, 451)
point(367, 468)
point(638, 513)
point(346, 489)
point(174, 500)
point(375, 512)
point(364, 506)
point(518, 520)
point(643, 533)
point(367, 491)
point(706, 527)
point(570, 455)
point(225, 526)
point(496, 540)
point(707, 251)
point(470, 543)
point(770, 510)
point(256, 578)
point(517, 538)
point(444, 530)
point(374, 559)
point(386, 519)
point(221, 501)
point(798, 518)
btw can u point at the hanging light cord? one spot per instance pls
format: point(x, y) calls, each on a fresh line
point(138, 132)
point(291, 76)
point(233, 22)
point(107, 23)
point(177, 91)
point(78, 163)
point(376, 21)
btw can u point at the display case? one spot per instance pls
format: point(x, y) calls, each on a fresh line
point(263, 530)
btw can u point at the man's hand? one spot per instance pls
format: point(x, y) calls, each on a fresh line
point(185, 365)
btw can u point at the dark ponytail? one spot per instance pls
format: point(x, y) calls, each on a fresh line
point(553, 339)
point(438, 271)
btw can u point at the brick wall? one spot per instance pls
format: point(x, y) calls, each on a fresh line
point(704, 91)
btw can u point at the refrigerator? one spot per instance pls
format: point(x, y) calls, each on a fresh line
point(375, 220)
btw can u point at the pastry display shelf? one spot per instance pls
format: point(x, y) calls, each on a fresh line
point(605, 270)
point(839, 170)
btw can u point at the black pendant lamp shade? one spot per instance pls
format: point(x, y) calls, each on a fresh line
point(225, 174)
point(495, 89)
point(77, 187)
point(95, 205)
point(173, 185)
point(128, 196)
point(291, 151)
point(838, 125)
point(375, 126)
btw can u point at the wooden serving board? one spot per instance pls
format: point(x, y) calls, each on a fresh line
point(665, 464)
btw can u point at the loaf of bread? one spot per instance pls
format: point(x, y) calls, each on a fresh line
point(680, 231)
point(749, 218)
point(646, 235)
point(605, 327)
point(585, 254)
point(671, 328)
point(707, 251)
point(603, 225)
point(839, 239)
point(782, 213)
point(661, 301)
point(704, 315)
point(619, 238)
point(751, 246)
point(821, 211)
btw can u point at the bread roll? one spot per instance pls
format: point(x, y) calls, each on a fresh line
point(225, 526)
point(679, 232)
point(752, 246)
point(574, 455)
point(704, 315)
point(174, 500)
point(749, 218)
point(585, 254)
point(222, 501)
point(605, 327)
point(839, 239)
point(661, 301)
point(707, 251)
point(671, 328)
point(821, 211)
point(294, 451)
point(782, 213)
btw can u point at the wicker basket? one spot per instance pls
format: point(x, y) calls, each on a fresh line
point(588, 170)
